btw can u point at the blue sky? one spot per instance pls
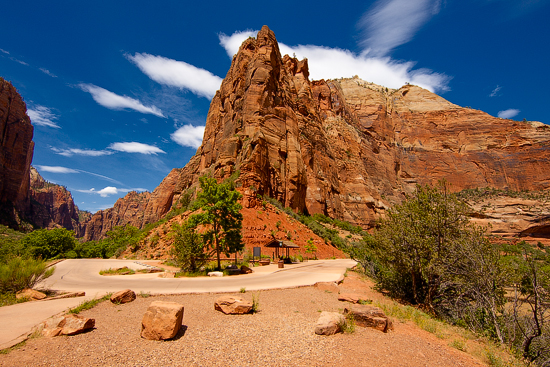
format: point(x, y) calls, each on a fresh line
point(118, 91)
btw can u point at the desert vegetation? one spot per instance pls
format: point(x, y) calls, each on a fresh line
point(427, 254)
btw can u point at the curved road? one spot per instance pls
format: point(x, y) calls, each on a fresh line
point(16, 321)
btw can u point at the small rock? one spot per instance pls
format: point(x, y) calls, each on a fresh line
point(329, 323)
point(215, 274)
point(328, 286)
point(66, 325)
point(245, 270)
point(162, 320)
point(369, 316)
point(231, 305)
point(123, 296)
point(350, 297)
point(30, 294)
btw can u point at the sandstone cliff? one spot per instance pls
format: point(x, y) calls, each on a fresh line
point(345, 148)
point(135, 209)
point(348, 148)
point(16, 150)
point(52, 206)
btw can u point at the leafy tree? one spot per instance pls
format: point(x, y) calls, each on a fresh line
point(49, 243)
point(188, 248)
point(310, 247)
point(121, 237)
point(220, 216)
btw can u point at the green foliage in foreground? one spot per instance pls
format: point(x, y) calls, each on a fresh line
point(18, 273)
point(426, 253)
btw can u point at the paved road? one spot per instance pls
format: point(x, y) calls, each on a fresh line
point(83, 275)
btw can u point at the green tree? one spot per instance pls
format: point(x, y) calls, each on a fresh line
point(310, 247)
point(188, 248)
point(121, 237)
point(220, 216)
point(49, 243)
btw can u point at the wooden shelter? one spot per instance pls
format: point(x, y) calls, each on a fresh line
point(281, 244)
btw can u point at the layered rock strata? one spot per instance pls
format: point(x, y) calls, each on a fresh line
point(16, 150)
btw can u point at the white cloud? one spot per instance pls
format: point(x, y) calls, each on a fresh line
point(177, 74)
point(86, 152)
point(134, 147)
point(4, 51)
point(115, 102)
point(188, 136)
point(233, 42)
point(42, 116)
point(332, 63)
point(109, 190)
point(47, 72)
point(508, 114)
point(495, 91)
point(391, 23)
point(56, 169)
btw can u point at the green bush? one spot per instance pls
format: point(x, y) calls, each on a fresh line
point(18, 274)
point(49, 243)
point(188, 249)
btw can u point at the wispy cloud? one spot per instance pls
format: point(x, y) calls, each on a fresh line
point(391, 23)
point(56, 169)
point(115, 102)
point(332, 63)
point(495, 91)
point(86, 152)
point(42, 116)
point(134, 147)
point(47, 72)
point(177, 74)
point(109, 190)
point(508, 114)
point(188, 136)
point(64, 170)
point(4, 51)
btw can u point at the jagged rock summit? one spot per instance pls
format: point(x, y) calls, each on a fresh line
point(345, 148)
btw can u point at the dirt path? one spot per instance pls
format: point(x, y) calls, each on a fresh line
point(281, 334)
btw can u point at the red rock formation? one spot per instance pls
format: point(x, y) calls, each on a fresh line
point(52, 205)
point(135, 209)
point(348, 148)
point(16, 150)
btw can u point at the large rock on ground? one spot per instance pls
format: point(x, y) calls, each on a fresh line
point(331, 287)
point(66, 325)
point(369, 316)
point(30, 294)
point(329, 323)
point(231, 305)
point(124, 296)
point(162, 320)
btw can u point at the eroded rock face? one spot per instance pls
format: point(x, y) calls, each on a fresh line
point(135, 209)
point(345, 148)
point(52, 205)
point(348, 148)
point(16, 150)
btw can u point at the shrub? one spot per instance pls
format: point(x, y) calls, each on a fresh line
point(188, 248)
point(18, 274)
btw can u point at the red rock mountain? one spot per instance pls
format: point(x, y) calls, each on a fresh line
point(346, 148)
point(16, 150)
point(52, 206)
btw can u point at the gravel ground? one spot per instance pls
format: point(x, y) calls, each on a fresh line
point(281, 334)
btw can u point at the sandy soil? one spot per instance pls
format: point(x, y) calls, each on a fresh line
point(281, 334)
